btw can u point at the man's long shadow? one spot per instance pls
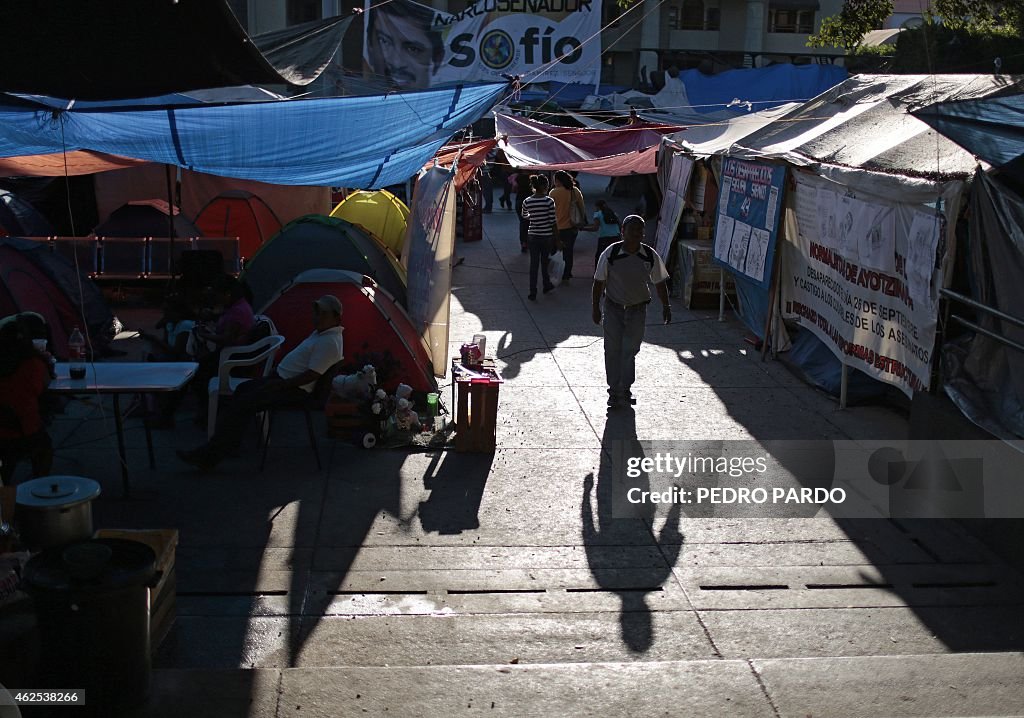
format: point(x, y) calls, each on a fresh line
point(620, 524)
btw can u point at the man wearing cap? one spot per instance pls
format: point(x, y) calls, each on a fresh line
point(293, 380)
point(623, 275)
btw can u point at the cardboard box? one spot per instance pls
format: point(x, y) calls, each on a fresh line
point(701, 277)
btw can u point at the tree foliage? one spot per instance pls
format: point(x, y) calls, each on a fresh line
point(980, 13)
point(847, 29)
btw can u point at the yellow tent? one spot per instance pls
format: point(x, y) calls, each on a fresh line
point(380, 213)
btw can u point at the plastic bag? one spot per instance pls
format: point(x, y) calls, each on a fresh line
point(556, 268)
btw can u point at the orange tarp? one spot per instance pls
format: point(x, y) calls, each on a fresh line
point(80, 162)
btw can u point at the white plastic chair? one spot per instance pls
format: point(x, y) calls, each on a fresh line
point(263, 352)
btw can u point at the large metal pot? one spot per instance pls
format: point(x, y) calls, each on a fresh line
point(55, 510)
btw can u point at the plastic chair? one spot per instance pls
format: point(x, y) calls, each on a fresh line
point(307, 405)
point(224, 384)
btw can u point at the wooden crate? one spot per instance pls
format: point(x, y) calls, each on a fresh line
point(162, 597)
point(476, 406)
point(345, 417)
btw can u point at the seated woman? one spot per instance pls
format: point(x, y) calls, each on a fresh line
point(232, 329)
point(24, 376)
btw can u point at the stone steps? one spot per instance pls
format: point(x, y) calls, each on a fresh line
point(913, 686)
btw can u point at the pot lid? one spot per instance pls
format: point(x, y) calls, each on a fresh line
point(95, 565)
point(57, 491)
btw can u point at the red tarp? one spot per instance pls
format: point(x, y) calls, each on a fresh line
point(473, 155)
point(626, 150)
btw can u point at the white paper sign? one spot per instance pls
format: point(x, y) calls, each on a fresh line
point(738, 248)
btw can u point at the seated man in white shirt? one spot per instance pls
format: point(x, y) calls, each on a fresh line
point(292, 381)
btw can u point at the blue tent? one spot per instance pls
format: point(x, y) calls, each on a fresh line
point(368, 142)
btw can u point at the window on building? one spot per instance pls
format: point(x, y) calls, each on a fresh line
point(300, 11)
point(712, 17)
point(789, 19)
point(611, 12)
point(692, 17)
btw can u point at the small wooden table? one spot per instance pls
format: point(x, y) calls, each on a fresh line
point(475, 398)
point(117, 378)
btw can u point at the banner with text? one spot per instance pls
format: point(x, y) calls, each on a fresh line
point(747, 221)
point(863, 276)
point(414, 46)
point(427, 256)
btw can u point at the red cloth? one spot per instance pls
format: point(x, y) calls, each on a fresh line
point(533, 145)
point(21, 391)
point(471, 156)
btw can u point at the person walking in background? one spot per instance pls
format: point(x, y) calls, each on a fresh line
point(500, 171)
point(623, 274)
point(539, 209)
point(570, 214)
point(523, 190)
point(486, 187)
point(606, 222)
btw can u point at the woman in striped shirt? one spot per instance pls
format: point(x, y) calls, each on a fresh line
point(539, 209)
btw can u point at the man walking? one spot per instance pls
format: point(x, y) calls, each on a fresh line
point(623, 272)
point(293, 380)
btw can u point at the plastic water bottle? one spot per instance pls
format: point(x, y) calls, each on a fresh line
point(76, 349)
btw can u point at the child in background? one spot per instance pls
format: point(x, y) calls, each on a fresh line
point(176, 323)
point(609, 231)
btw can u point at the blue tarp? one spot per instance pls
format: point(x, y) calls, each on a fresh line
point(821, 368)
point(368, 142)
point(991, 128)
point(763, 87)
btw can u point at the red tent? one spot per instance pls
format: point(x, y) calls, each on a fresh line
point(376, 329)
point(34, 279)
point(239, 214)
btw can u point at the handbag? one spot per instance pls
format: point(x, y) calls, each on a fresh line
point(576, 215)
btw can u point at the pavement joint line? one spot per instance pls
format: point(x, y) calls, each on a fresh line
point(764, 688)
point(686, 594)
point(547, 344)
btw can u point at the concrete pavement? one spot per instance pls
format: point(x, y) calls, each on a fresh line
point(433, 584)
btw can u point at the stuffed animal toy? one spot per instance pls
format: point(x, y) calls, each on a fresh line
point(406, 419)
point(404, 391)
point(379, 402)
point(356, 387)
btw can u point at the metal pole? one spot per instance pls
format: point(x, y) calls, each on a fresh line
point(721, 294)
point(170, 219)
point(843, 384)
point(983, 307)
point(990, 334)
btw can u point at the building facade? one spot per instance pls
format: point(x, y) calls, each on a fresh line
point(640, 43)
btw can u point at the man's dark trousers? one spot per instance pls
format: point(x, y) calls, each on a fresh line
point(249, 399)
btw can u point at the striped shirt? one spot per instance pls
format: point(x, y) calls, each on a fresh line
point(541, 213)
